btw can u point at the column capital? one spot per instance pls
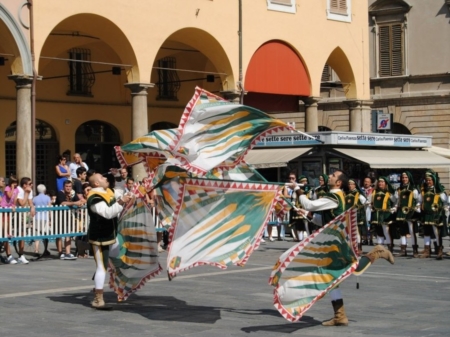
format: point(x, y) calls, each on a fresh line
point(357, 103)
point(22, 81)
point(139, 88)
point(310, 100)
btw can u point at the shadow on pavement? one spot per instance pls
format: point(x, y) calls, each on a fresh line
point(305, 322)
point(159, 308)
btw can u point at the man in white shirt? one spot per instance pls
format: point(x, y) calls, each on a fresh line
point(324, 210)
point(77, 162)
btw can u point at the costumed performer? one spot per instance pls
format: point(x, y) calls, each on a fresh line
point(383, 204)
point(408, 204)
point(434, 203)
point(356, 197)
point(331, 206)
point(103, 206)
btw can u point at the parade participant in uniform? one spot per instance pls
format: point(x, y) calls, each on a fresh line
point(383, 206)
point(368, 189)
point(103, 209)
point(356, 197)
point(434, 201)
point(321, 190)
point(331, 206)
point(408, 203)
point(302, 224)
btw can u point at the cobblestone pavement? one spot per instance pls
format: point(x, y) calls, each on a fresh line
point(51, 298)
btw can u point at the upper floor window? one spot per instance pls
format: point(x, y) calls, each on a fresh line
point(168, 80)
point(391, 50)
point(287, 6)
point(388, 20)
point(81, 76)
point(339, 10)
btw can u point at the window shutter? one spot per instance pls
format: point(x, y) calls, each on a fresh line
point(391, 50)
point(338, 6)
point(385, 57)
point(326, 73)
point(397, 50)
point(282, 2)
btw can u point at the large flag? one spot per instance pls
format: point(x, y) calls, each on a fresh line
point(213, 130)
point(218, 223)
point(133, 259)
point(307, 271)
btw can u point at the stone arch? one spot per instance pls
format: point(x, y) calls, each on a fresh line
point(200, 52)
point(339, 62)
point(87, 29)
point(17, 42)
point(400, 129)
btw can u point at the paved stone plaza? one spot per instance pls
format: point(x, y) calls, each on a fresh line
point(51, 298)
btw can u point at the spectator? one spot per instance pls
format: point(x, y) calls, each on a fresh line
point(129, 185)
point(62, 172)
point(2, 186)
point(78, 182)
point(77, 162)
point(42, 217)
point(9, 201)
point(86, 189)
point(122, 180)
point(67, 197)
point(24, 199)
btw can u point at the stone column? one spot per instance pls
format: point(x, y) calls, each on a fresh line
point(311, 121)
point(23, 125)
point(359, 115)
point(139, 118)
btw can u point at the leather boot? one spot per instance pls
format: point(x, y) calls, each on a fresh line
point(340, 318)
point(416, 250)
point(436, 248)
point(402, 251)
point(440, 253)
point(391, 247)
point(98, 302)
point(380, 252)
point(426, 252)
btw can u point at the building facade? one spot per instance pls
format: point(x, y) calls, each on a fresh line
point(107, 72)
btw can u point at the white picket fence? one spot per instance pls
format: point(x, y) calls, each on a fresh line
point(60, 221)
point(49, 223)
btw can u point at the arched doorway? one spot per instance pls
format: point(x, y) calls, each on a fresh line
point(95, 141)
point(47, 147)
point(162, 126)
point(400, 129)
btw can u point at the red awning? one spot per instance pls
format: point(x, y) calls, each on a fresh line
point(276, 69)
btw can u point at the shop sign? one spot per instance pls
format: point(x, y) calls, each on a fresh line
point(384, 139)
point(383, 121)
point(345, 138)
point(288, 140)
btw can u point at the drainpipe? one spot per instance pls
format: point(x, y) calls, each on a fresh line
point(241, 85)
point(33, 96)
